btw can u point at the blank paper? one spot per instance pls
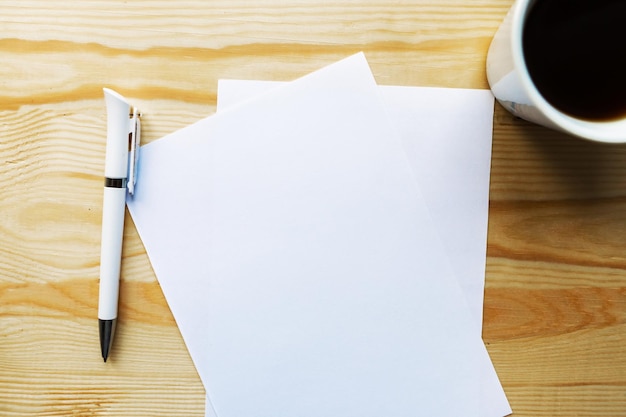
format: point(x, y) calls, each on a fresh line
point(301, 262)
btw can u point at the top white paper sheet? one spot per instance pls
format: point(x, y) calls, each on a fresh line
point(300, 261)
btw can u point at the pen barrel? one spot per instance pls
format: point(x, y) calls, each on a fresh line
point(111, 251)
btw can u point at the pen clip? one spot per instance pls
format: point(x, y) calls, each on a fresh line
point(134, 138)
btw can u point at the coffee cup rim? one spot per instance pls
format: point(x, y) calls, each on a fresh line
point(610, 131)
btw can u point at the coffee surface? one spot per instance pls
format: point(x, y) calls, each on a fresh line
point(575, 51)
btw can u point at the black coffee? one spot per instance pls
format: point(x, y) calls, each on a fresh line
point(575, 51)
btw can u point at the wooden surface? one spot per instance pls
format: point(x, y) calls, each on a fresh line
point(555, 302)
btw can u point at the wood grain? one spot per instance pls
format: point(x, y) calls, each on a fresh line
point(555, 302)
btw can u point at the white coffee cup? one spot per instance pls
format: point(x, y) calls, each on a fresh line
point(512, 86)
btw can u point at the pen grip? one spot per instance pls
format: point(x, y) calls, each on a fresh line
point(113, 211)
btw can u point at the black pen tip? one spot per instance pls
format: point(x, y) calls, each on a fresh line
point(107, 330)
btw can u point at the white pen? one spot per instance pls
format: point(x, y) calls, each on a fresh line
point(122, 133)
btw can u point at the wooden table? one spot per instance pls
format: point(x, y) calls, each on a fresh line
point(555, 302)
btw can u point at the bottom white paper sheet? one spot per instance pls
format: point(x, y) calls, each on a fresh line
point(447, 135)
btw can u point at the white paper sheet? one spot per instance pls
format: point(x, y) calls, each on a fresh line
point(301, 264)
point(447, 134)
